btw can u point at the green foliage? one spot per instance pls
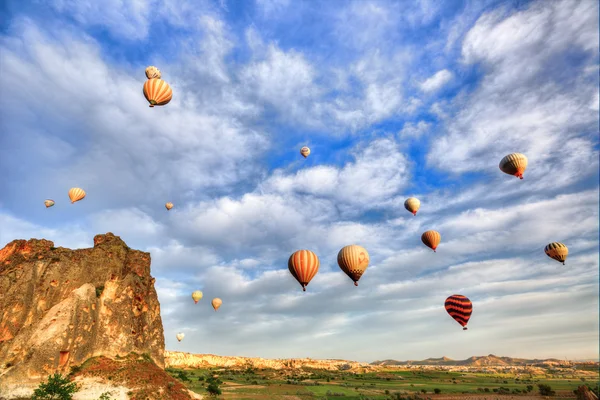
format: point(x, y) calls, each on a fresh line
point(75, 369)
point(99, 290)
point(437, 391)
point(57, 388)
point(545, 390)
point(213, 386)
point(182, 376)
point(147, 357)
point(105, 396)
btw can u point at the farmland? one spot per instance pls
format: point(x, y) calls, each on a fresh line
point(384, 383)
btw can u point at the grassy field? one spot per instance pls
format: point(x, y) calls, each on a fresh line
point(383, 384)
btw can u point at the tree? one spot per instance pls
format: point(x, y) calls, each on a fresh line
point(58, 387)
point(213, 386)
point(545, 390)
point(437, 391)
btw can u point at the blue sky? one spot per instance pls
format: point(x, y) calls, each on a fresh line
point(395, 99)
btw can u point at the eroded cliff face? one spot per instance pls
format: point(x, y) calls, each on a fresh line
point(177, 359)
point(60, 307)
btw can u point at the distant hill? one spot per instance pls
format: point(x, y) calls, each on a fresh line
point(475, 361)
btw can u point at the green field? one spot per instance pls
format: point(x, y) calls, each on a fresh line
point(383, 384)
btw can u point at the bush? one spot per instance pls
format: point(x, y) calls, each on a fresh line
point(437, 391)
point(545, 390)
point(213, 386)
point(58, 387)
point(104, 396)
point(99, 290)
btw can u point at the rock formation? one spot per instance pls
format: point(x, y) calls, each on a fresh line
point(584, 393)
point(60, 307)
point(177, 359)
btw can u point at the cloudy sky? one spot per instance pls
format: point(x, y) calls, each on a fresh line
point(395, 99)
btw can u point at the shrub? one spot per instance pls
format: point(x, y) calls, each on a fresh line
point(99, 290)
point(545, 390)
point(104, 396)
point(437, 391)
point(58, 387)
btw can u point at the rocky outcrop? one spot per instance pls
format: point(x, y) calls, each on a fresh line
point(584, 393)
point(60, 307)
point(178, 359)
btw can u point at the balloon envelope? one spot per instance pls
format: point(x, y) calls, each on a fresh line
point(353, 260)
point(514, 164)
point(216, 303)
point(431, 239)
point(152, 72)
point(76, 194)
point(197, 295)
point(48, 203)
point(412, 204)
point(557, 251)
point(305, 151)
point(460, 308)
point(169, 205)
point(180, 336)
point(303, 265)
point(157, 92)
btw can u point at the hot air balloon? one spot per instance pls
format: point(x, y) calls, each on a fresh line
point(48, 203)
point(169, 205)
point(412, 204)
point(305, 151)
point(459, 308)
point(76, 194)
point(353, 260)
point(431, 239)
point(152, 72)
point(303, 265)
point(558, 251)
point(216, 303)
point(197, 295)
point(157, 92)
point(514, 164)
point(180, 336)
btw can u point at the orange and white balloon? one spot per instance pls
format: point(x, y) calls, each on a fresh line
point(157, 92)
point(169, 205)
point(76, 194)
point(412, 204)
point(303, 265)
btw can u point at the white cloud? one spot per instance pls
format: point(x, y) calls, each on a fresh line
point(437, 81)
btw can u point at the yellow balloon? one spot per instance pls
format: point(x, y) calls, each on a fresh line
point(76, 194)
point(216, 303)
point(557, 251)
point(353, 260)
point(412, 204)
point(197, 295)
point(169, 205)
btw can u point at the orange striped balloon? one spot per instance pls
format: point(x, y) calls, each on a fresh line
point(557, 251)
point(353, 260)
point(460, 308)
point(157, 92)
point(304, 265)
point(514, 164)
point(431, 239)
point(76, 194)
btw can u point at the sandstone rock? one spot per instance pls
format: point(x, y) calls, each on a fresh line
point(176, 359)
point(59, 307)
